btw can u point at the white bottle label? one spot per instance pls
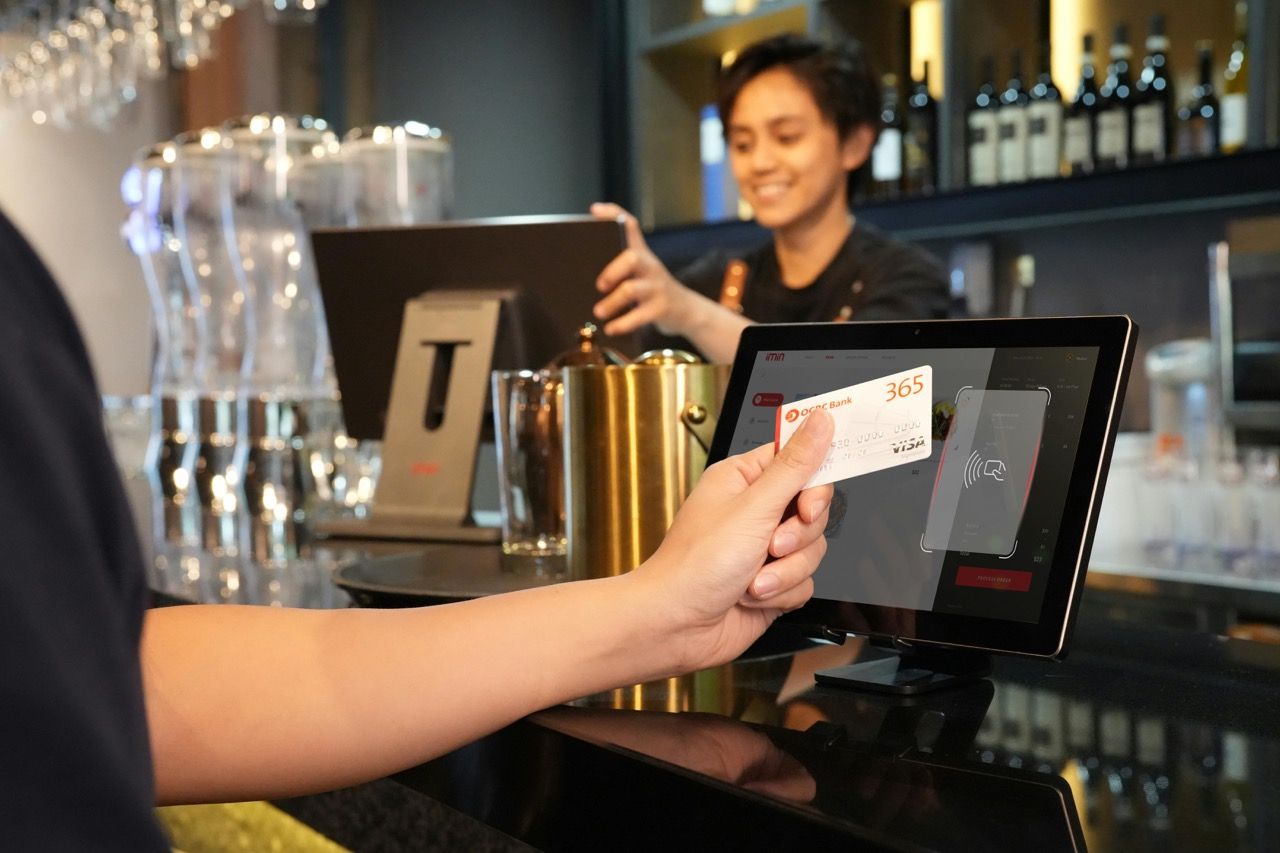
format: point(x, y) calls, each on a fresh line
point(1012, 148)
point(1113, 729)
point(982, 148)
point(1235, 757)
point(1080, 725)
point(1148, 130)
point(1234, 119)
point(886, 157)
point(1076, 142)
point(711, 140)
point(1113, 135)
point(1049, 735)
point(1151, 741)
point(1044, 139)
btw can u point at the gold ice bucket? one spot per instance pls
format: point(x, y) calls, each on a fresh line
point(635, 442)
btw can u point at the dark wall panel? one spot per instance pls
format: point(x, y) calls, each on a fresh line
point(515, 84)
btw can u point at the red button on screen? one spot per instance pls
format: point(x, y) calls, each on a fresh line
point(767, 399)
point(993, 579)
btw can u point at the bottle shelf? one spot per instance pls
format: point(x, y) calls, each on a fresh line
point(1250, 179)
point(674, 46)
point(1238, 181)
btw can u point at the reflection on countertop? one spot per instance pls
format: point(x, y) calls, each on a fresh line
point(204, 578)
point(1141, 740)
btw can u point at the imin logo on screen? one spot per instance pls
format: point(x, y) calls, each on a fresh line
point(775, 356)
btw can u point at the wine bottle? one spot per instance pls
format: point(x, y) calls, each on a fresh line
point(1153, 99)
point(1114, 142)
point(1199, 120)
point(920, 143)
point(1154, 777)
point(1115, 732)
point(1078, 124)
point(983, 130)
point(1235, 86)
point(1044, 123)
point(886, 157)
point(1011, 151)
point(1234, 790)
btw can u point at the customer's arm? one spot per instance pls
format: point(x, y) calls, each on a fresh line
point(249, 702)
point(639, 289)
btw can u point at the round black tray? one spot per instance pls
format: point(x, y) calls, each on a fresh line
point(438, 574)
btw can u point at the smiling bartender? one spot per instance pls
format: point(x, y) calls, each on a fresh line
point(110, 708)
point(799, 117)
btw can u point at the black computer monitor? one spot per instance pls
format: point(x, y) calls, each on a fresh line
point(550, 263)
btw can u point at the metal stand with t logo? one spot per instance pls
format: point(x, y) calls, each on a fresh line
point(434, 418)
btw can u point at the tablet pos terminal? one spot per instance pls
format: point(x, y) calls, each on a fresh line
point(982, 546)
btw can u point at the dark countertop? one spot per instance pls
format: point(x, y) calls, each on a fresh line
point(1145, 738)
point(1141, 740)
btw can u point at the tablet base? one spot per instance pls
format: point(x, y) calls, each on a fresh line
point(906, 673)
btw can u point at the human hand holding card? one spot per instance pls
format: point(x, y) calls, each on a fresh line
point(878, 424)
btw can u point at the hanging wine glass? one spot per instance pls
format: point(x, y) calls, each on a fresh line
point(292, 11)
point(99, 101)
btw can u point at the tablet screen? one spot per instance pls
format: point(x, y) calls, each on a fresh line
point(972, 529)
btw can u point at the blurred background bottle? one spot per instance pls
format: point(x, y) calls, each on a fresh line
point(886, 157)
point(1235, 85)
point(1153, 99)
point(1199, 120)
point(1044, 123)
point(1011, 121)
point(983, 130)
point(1114, 125)
point(1080, 120)
point(920, 139)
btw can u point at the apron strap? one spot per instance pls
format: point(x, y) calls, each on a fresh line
point(735, 281)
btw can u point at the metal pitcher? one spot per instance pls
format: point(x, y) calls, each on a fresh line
point(635, 442)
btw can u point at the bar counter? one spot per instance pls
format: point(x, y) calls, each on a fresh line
point(1145, 738)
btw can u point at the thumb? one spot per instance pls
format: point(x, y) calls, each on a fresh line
point(794, 465)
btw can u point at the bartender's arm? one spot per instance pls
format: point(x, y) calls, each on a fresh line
point(640, 290)
point(246, 702)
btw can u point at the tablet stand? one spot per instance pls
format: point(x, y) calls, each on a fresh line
point(943, 724)
point(434, 419)
point(909, 671)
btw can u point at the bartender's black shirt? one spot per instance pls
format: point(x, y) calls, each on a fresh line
point(872, 277)
point(75, 769)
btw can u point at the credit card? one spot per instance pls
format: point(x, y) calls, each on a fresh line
point(878, 424)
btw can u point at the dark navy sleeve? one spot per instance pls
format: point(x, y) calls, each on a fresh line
point(76, 771)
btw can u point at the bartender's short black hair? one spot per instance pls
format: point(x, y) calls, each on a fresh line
point(839, 77)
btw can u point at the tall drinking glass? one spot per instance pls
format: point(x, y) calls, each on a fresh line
point(285, 180)
point(398, 174)
point(528, 421)
point(150, 189)
point(214, 270)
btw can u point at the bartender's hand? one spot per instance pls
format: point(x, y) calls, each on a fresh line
point(712, 576)
point(639, 288)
